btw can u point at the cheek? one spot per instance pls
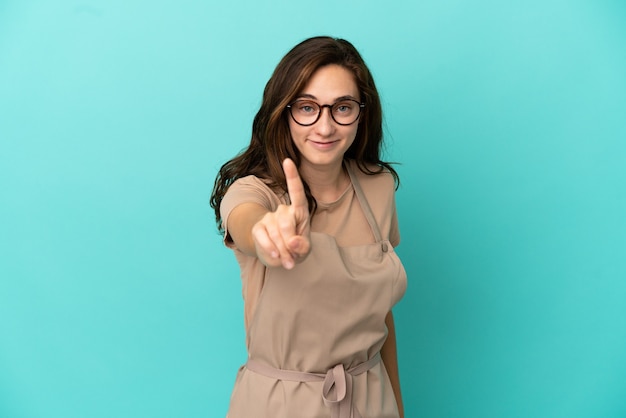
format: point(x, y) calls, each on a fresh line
point(296, 131)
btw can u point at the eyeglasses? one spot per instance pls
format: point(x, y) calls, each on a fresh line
point(307, 112)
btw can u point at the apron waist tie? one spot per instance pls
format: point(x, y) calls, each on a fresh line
point(337, 389)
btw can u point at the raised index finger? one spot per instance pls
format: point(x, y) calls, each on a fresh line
point(294, 185)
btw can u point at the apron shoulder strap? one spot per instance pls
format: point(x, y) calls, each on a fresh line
point(367, 210)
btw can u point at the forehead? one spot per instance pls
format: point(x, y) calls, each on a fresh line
point(331, 82)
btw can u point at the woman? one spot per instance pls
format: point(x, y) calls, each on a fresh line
point(309, 210)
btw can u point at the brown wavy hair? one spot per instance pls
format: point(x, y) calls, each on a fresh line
point(271, 140)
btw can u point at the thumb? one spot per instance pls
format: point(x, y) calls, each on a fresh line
point(299, 246)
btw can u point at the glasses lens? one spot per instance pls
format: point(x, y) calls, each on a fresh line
point(305, 112)
point(346, 112)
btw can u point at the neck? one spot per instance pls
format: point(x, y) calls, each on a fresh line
point(326, 183)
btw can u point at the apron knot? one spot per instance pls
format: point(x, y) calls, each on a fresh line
point(337, 392)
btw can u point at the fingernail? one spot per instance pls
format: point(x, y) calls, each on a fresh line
point(288, 265)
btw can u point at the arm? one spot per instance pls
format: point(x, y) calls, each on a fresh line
point(240, 223)
point(390, 360)
point(276, 238)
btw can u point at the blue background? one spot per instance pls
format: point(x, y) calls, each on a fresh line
point(117, 298)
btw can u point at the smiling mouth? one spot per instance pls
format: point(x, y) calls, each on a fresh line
point(324, 143)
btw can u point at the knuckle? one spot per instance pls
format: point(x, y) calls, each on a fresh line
point(274, 234)
point(257, 228)
point(285, 223)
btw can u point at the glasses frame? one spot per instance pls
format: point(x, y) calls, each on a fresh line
point(330, 111)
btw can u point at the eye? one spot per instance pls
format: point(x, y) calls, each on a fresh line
point(344, 107)
point(306, 107)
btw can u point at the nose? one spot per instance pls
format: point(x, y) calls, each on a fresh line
point(325, 125)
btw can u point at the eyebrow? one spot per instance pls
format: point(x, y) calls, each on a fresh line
point(310, 96)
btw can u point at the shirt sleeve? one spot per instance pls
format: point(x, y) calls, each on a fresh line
point(248, 189)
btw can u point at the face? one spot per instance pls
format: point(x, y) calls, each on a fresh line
point(323, 144)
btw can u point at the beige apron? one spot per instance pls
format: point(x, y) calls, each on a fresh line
point(317, 330)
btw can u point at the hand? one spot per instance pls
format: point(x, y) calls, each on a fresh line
point(283, 237)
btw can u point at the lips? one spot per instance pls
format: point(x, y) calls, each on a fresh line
point(323, 143)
